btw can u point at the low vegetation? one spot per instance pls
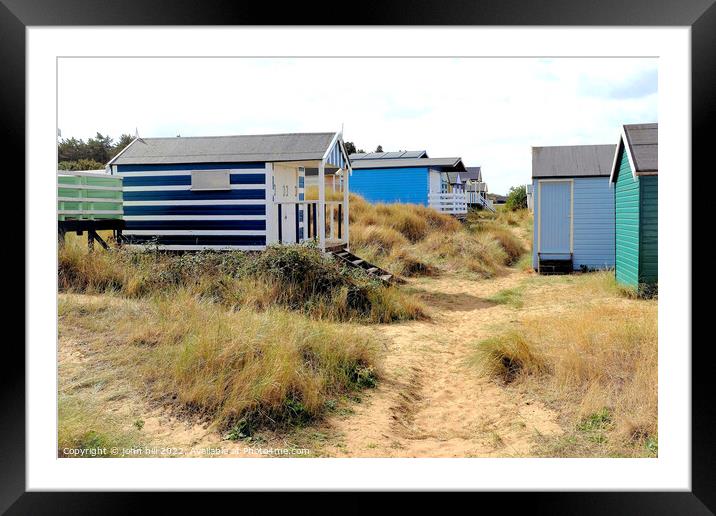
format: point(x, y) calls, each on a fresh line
point(85, 431)
point(238, 370)
point(596, 362)
point(242, 341)
point(296, 277)
point(413, 240)
point(508, 296)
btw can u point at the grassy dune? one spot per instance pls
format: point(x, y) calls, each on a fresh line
point(413, 240)
point(294, 277)
point(236, 369)
point(243, 341)
point(593, 356)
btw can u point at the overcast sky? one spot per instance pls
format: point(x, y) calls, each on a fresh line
point(487, 111)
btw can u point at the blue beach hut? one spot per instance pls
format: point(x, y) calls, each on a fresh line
point(573, 208)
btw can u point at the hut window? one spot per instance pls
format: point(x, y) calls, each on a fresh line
point(210, 180)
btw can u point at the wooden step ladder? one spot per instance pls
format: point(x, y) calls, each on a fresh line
point(553, 266)
point(352, 260)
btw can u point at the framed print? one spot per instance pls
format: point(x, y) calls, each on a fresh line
point(413, 252)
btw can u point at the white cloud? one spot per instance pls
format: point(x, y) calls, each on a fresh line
point(489, 111)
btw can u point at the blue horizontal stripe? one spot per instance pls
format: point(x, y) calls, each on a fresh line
point(236, 179)
point(219, 209)
point(196, 224)
point(189, 166)
point(198, 239)
point(189, 195)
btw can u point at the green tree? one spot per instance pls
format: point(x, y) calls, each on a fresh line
point(516, 198)
point(80, 164)
point(379, 148)
point(76, 154)
point(99, 148)
point(70, 149)
point(351, 148)
point(123, 141)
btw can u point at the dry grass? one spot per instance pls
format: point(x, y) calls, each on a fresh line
point(311, 194)
point(233, 368)
point(384, 238)
point(593, 357)
point(406, 263)
point(84, 427)
point(299, 278)
point(461, 251)
point(414, 240)
point(240, 340)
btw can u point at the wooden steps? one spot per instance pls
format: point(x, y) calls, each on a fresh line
point(555, 266)
point(353, 261)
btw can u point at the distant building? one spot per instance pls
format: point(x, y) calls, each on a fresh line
point(476, 189)
point(497, 199)
point(410, 177)
point(530, 198)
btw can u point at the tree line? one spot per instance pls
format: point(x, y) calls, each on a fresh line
point(351, 148)
point(93, 154)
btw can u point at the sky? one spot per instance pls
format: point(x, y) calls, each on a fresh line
point(489, 111)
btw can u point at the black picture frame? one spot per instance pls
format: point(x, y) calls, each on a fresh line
point(700, 15)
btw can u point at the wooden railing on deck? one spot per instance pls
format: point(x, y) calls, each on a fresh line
point(88, 195)
point(334, 220)
point(453, 203)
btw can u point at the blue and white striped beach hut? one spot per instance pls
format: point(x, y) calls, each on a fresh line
point(232, 192)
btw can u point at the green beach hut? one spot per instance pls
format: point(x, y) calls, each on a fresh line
point(634, 177)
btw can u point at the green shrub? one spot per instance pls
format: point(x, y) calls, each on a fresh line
point(516, 198)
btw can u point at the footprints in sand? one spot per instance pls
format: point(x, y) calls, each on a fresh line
point(431, 403)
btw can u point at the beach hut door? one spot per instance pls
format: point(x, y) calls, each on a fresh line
point(286, 195)
point(555, 219)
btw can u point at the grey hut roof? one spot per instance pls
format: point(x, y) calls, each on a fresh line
point(226, 149)
point(474, 173)
point(389, 155)
point(454, 164)
point(453, 178)
point(643, 146)
point(572, 161)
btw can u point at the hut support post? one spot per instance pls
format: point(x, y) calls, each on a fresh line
point(322, 205)
point(346, 173)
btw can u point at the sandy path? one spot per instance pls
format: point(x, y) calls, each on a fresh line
point(430, 402)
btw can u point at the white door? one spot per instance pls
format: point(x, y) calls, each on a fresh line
point(285, 196)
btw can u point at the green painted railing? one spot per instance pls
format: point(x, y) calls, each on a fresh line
point(88, 195)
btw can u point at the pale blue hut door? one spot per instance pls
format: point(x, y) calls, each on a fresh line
point(555, 219)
